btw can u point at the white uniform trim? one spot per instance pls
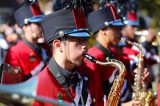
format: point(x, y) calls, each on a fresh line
point(79, 87)
point(38, 68)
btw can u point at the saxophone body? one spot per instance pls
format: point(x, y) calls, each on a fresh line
point(140, 92)
point(115, 92)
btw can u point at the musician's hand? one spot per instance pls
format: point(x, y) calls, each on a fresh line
point(131, 103)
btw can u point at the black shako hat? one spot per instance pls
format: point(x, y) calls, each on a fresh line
point(29, 12)
point(107, 16)
point(70, 22)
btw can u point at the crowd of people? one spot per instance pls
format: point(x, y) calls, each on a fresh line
point(54, 48)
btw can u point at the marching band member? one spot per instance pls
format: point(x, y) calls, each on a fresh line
point(27, 54)
point(66, 32)
point(107, 32)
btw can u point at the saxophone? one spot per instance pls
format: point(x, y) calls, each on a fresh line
point(115, 92)
point(140, 92)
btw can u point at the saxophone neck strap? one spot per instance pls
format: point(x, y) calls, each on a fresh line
point(53, 67)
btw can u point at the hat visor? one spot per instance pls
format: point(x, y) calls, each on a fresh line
point(133, 23)
point(36, 18)
point(80, 34)
point(116, 23)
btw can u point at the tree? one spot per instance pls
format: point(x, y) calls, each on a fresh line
point(151, 8)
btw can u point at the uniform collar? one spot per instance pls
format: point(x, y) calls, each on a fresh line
point(34, 46)
point(70, 77)
point(106, 51)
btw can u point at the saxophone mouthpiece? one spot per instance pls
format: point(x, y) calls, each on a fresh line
point(90, 58)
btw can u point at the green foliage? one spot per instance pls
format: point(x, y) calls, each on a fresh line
point(151, 7)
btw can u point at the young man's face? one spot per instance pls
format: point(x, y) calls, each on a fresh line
point(74, 49)
point(114, 34)
point(36, 28)
point(130, 31)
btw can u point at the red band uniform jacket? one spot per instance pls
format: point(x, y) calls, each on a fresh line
point(48, 86)
point(23, 56)
point(104, 75)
